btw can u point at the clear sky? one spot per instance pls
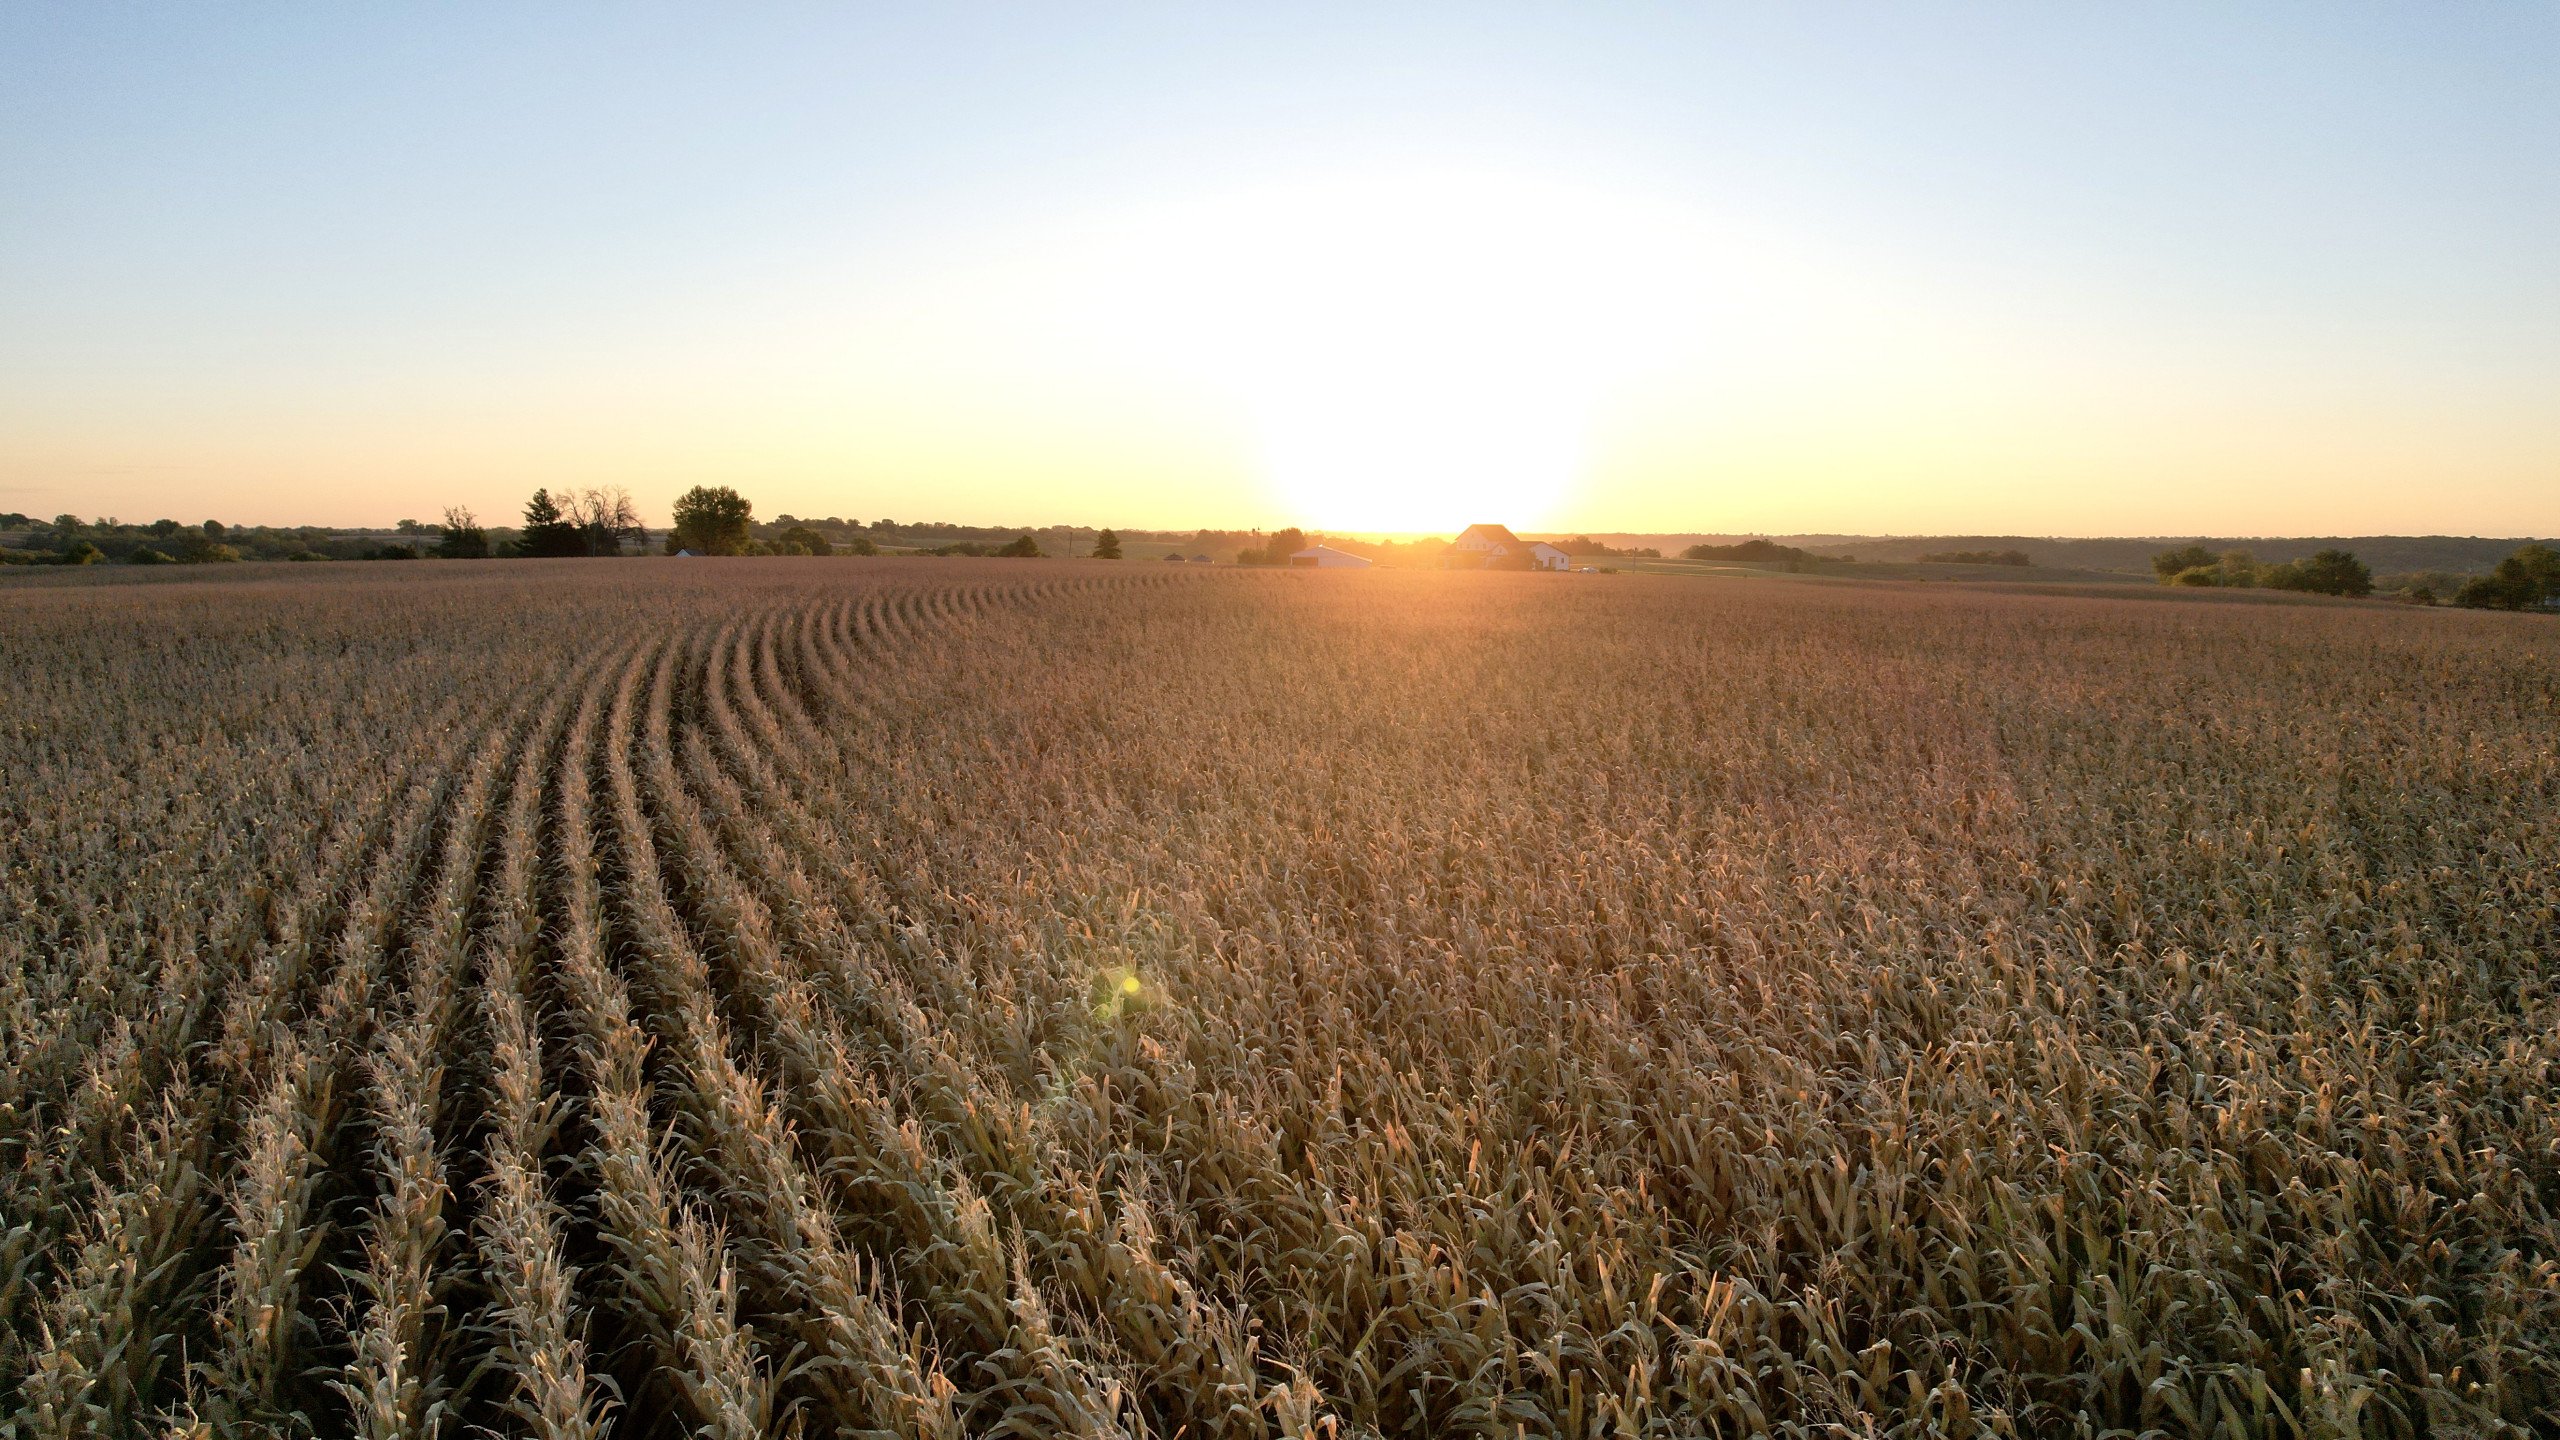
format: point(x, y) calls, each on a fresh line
point(2254, 268)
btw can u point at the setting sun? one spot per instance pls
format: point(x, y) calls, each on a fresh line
point(1408, 351)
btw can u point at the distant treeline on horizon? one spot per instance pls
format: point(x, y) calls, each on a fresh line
point(2129, 554)
point(26, 539)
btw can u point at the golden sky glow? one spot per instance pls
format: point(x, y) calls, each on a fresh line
point(1721, 272)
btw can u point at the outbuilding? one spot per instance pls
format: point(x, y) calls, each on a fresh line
point(1325, 557)
point(1495, 545)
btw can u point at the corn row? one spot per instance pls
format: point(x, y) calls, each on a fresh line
point(394, 1385)
point(668, 1262)
point(537, 1345)
point(865, 1373)
point(266, 1337)
point(1197, 1362)
point(105, 1113)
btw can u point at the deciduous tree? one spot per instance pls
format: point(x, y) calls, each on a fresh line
point(713, 520)
point(606, 520)
point(2170, 564)
point(463, 537)
point(2528, 577)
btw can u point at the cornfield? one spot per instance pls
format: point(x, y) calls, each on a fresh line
point(926, 999)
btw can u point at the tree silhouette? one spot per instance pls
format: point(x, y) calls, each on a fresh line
point(548, 534)
point(713, 520)
point(463, 537)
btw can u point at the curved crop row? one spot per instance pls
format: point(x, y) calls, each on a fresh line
point(918, 999)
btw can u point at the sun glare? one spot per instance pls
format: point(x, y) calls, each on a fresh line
point(1413, 353)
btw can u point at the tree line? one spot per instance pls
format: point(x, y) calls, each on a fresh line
point(709, 520)
point(1976, 557)
point(71, 540)
point(1757, 552)
point(718, 520)
point(2527, 579)
point(2328, 572)
point(556, 524)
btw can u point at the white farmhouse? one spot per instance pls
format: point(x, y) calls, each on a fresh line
point(1325, 557)
point(1492, 544)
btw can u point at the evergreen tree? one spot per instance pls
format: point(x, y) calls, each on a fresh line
point(547, 534)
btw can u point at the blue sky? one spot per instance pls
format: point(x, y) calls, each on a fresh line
point(2264, 268)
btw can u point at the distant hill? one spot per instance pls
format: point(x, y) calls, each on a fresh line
point(2385, 554)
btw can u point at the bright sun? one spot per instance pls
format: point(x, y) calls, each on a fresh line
point(1414, 353)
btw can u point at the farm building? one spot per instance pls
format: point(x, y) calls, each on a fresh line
point(1489, 544)
point(1325, 557)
